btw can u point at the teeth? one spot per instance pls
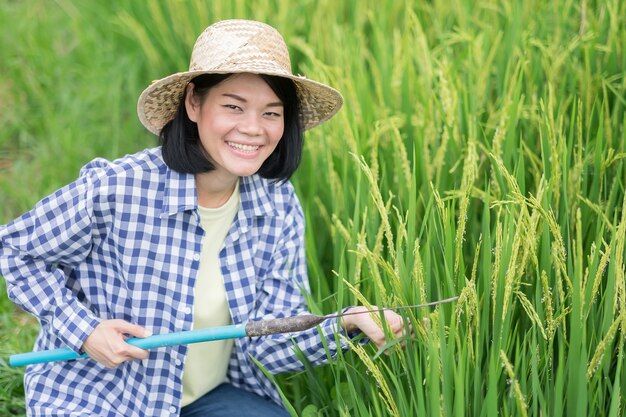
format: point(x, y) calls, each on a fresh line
point(243, 148)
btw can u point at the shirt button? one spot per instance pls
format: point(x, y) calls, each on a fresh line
point(188, 310)
point(178, 362)
point(196, 257)
point(172, 409)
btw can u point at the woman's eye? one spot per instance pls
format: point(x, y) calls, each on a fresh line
point(273, 114)
point(232, 107)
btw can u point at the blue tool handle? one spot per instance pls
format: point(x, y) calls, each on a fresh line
point(160, 340)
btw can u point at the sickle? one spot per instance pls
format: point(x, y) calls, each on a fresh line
point(248, 329)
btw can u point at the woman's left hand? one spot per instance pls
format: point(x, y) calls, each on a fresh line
point(365, 323)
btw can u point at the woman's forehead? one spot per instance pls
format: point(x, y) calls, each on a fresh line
point(246, 87)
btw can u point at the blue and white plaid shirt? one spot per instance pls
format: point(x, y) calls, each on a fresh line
point(124, 242)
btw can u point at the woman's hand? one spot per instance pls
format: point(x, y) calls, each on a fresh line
point(107, 343)
point(365, 323)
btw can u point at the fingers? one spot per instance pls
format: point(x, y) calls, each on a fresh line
point(395, 327)
point(368, 324)
point(131, 329)
point(107, 343)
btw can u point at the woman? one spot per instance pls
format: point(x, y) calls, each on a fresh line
point(203, 231)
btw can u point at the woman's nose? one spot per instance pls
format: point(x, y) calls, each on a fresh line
point(250, 125)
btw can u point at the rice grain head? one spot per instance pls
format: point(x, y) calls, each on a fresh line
point(470, 172)
point(377, 199)
point(517, 391)
point(600, 350)
point(531, 312)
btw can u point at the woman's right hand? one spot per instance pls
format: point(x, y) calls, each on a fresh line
point(107, 343)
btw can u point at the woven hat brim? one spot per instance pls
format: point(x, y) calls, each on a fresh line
point(158, 103)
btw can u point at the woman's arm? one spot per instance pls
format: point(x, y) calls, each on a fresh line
point(282, 295)
point(35, 249)
point(56, 232)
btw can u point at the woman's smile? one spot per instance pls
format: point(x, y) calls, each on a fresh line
point(243, 148)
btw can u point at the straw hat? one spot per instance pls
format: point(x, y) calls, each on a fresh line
point(237, 46)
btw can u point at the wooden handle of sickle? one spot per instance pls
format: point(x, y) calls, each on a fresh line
point(283, 325)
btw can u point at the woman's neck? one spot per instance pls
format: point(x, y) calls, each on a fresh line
point(213, 189)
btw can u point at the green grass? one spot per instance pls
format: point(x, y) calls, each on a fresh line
point(480, 153)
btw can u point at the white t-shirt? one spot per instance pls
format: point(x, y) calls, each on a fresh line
point(207, 363)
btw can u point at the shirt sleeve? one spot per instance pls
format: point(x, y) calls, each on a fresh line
point(34, 250)
point(282, 295)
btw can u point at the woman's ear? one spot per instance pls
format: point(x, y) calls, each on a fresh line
point(191, 103)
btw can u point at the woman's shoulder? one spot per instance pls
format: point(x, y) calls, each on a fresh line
point(139, 165)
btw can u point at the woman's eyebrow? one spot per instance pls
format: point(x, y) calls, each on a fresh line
point(243, 100)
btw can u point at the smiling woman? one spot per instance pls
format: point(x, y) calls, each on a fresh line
point(204, 231)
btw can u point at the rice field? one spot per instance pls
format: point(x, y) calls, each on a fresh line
point(481, 153)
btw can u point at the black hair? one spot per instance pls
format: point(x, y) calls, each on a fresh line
point(183, 151)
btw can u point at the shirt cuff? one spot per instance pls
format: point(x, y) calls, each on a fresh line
point(73, 323)
point(332, 332)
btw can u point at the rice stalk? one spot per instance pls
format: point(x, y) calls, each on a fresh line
point(496, 266)
point(384, 391)
point(401, 230)
point(448, 100)
point(322, 211)
point(337, 188)
point(500, 134)
point(558, 246)
point(381, 289)
point(375, 261)
point(374, 144)
point(546, 299)
point(611, 158)
point(576, 171)
point(447, 96)
point(441, 207)
point(531, 312)
point(439, 158)
point(510, 180)
point(620, 273)
point(418, 273)
point(517, 391)
point(341, 229)
point(511, 277)
point(468, 301)
point(470, 172)
point(533, 162)
point(380, 237)
point(522, 234)
point(554, 140)
point(602, 346)
point(395, 123)
point(377, 200)
point(579, 271)
point(604, 261)
point(361, 243)
point(501, 130)
point(531, 224)
point(597, 209)
point(359, 296)
point(419, 42)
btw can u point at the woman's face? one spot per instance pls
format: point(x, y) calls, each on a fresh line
point(240, 123)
